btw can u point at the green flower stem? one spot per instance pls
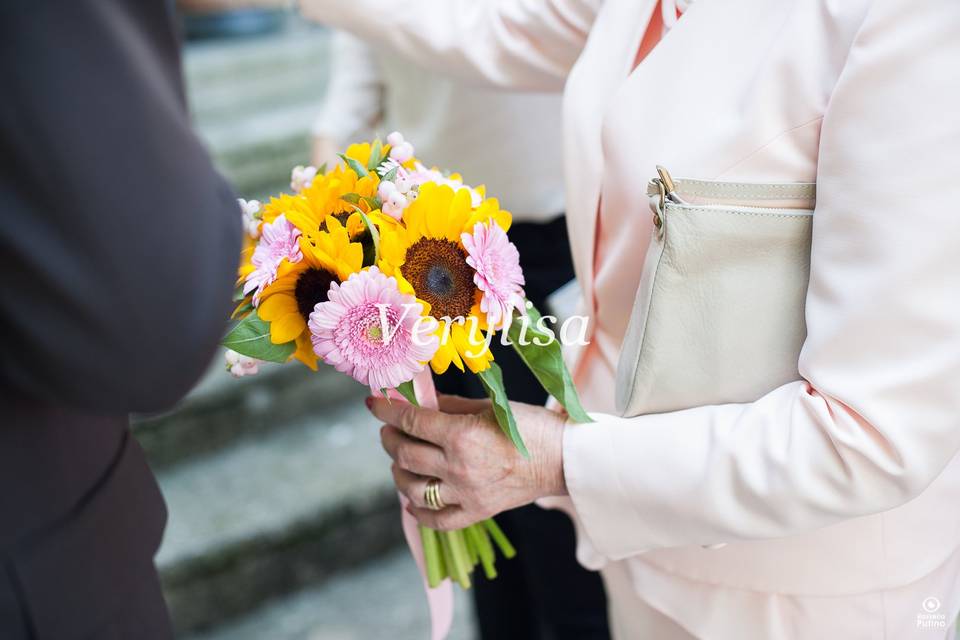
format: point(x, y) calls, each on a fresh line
point(500, 538)
point(472, 551)
point(447, 552)
point(484, 549)
point(458, 549)
point(432, 557)
point(456, 554)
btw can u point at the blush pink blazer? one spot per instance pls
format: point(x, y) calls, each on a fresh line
point(830, 506)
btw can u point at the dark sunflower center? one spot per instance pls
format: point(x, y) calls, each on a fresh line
point(312, 288)
point(440, 280)
point(342, 217)
point(439, 273)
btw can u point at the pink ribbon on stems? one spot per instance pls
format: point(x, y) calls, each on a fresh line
point(439, 600)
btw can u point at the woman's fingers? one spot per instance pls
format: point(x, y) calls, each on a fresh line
point(448, 519)
point(414, 487)
point(458, 404)
point(412, 455)
point(424, 424)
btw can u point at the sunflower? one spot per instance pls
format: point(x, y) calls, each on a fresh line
point(328, 256)
point(324, 199)
point(287, 204)
point(428, 259)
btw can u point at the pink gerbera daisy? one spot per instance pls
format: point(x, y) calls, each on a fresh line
point(498, 273)
point(371, 331)
point(279, 240)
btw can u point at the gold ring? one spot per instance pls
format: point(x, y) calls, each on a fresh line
point(431, 495)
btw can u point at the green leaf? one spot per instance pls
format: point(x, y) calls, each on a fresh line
point(352, 198)
point(322, 169)
point(358, 168)
point(251, 337)
point(545, 360)
point(492, 380)
point(238, 295)
point(242, 310)
point(407, 391)
point(372, 230)
point(376, 155)
point(374, 203)
point(391, 175)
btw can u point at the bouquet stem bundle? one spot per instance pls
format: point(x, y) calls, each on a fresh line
point(456, 554)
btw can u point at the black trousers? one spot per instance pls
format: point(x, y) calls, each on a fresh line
point(543, 593)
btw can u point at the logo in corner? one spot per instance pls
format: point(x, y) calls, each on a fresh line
point(930, 618)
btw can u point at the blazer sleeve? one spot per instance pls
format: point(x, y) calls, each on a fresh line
point(519, 44)
point(875, 418)
point(120, 241)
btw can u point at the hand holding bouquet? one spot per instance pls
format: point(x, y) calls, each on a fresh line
point(378, 267)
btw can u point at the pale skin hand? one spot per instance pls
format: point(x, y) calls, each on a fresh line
point(324, 151)
point(481, 472)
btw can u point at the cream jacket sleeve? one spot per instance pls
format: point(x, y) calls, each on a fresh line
point(354, 97)
point(876, 417)
point(521, 44)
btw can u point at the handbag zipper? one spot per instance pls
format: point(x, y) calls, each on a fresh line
point(664, 188)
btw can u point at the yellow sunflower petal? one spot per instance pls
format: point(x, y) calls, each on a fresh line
point(286, 328)
point(304, 352)
point(360, 152)
point(440, 361)
point(276, 306)
point(414, 216)
point(393, 246)
point(471, 345)
point(460, 210)
point(355, 225)
point(438, 211)
point(405, 287)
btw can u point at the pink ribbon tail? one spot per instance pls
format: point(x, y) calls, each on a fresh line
point(439, 600)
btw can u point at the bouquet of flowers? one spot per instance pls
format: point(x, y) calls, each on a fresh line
point(378, 267)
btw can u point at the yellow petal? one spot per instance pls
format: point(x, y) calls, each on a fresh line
point(276, 306)
point(393, 246)
point(351, 260)
point(437, 213)
point(355, 225)
point(460, 210)
point(286, 328)
point(471, 345)
point(440, 361)
point(304, 352)
point(404, 285)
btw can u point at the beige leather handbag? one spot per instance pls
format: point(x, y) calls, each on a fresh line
point(719, 315)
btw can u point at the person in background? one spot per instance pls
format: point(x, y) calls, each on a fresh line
point(511, 143)
point(120, 244)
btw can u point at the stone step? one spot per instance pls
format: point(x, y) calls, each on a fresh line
point(381, 599)
point(254, 99)
point(275, 511)
point(229, 78)
point(221, 408)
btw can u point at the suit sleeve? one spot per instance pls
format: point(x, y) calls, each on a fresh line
point(120, 241)
point(518, 44)
point(874, 420)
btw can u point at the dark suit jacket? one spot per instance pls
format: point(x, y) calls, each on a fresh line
point(118, 248)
